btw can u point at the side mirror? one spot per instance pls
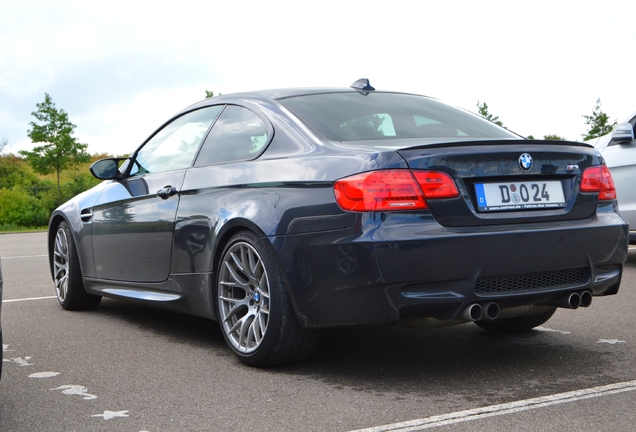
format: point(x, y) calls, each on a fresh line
point(623, 133)
point(106, 169)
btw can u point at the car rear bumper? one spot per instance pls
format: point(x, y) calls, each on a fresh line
point(391, 267)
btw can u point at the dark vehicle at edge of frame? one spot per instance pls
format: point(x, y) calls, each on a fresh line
point(281, 212)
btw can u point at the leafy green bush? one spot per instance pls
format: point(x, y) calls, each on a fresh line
point(79, 183)
point(18, 208)
point(27, 199)
point(12, 172)
point(43, 190)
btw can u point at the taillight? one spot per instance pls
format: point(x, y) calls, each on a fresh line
point(392, 190)
point(436, 184)
point(598, 179)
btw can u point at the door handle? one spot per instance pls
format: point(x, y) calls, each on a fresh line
point(166, 192)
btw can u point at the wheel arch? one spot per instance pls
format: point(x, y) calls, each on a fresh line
point(227, 231)
point(80, 232)
point(54, 223)
point(285, 340)
point(223, 238)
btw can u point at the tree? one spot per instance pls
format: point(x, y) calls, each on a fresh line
point(549, 137)
point(598, 123)
point(483, 111)
point(209, 94)
point(552, 137)
point(60, 150)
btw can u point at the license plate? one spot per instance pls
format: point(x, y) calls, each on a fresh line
point(519, 195)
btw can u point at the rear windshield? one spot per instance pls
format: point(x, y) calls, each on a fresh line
point(380, 116)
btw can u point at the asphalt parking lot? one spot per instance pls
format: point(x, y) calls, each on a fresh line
point(125, 367)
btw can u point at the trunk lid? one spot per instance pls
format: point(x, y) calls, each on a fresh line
point(509, 182)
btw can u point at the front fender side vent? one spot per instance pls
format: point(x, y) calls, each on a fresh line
point(86, 215)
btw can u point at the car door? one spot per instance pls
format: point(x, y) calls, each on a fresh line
point(213, 187)
point(133, 219)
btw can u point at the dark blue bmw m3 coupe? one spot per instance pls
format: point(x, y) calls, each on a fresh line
point(281, 212)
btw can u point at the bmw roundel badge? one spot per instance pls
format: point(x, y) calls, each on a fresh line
point(525, 161)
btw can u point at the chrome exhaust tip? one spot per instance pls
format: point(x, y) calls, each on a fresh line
point(568, 301)
point(586, 298)
point(472, 312)
point(491, 311)
point(574, 300)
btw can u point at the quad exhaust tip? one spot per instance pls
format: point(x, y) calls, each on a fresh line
point(586, 298)
point(477, 312)
point(472, 312)
point(491, 311)
point(572, 300)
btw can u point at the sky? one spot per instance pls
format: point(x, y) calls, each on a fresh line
point(120, 69)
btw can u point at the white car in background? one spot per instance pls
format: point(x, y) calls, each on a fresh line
point(619, 151)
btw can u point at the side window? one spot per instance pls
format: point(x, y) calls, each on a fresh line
point(238, 134)
point(431, 128)
point(174, 146)
point(367, 127)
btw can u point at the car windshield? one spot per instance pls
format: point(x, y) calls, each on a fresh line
point(354, 116)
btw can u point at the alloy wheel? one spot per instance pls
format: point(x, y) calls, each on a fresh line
point(244, 297)
point(60, 264)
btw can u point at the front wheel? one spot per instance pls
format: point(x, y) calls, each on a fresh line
point(516, 324)
point(67, 273)
point(254, 310)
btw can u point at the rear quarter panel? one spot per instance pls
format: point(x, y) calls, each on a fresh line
point(269, 197)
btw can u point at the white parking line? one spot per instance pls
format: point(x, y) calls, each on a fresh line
point(23, 256)
point(28, 299)
point(507, 408)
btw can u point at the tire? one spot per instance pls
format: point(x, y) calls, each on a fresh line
point(516, 324)
point(254, 311)
point(67, 273)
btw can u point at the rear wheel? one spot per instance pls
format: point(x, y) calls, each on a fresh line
point(254, 310)
point(67, 274)
point(516, 324)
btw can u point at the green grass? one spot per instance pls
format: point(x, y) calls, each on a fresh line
point(10, 228)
